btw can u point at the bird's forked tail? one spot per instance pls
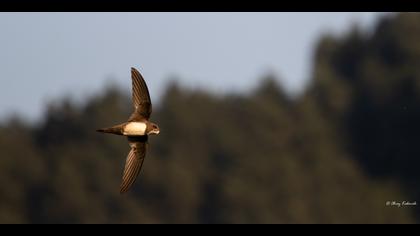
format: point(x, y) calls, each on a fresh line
point(112, 130)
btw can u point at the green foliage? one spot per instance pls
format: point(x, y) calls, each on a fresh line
point(368, 87)
point(334, 155)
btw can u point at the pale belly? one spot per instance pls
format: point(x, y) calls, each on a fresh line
point(135, 129)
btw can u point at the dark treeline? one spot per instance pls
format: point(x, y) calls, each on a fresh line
point(336, 154)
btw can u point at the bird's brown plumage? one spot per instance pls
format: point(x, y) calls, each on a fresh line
point(141, 98)
point(138, 141)
point(133, 164)
point(142, 110)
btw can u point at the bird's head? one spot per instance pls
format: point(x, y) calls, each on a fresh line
point(152, 128)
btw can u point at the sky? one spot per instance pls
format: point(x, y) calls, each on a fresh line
point(45, 56)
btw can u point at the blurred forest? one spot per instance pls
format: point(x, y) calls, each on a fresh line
point(335, 154)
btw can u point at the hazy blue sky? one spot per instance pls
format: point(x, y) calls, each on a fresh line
point(46, 55)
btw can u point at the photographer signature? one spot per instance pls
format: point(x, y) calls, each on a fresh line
point(401, 204)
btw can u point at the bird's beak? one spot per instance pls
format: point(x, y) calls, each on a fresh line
point(154, 132)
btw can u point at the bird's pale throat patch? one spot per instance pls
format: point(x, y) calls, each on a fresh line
point(135, 128)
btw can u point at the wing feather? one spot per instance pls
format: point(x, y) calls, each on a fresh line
point(133, 165)
point(140, 96)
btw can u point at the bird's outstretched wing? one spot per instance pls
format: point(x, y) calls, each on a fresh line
point(133, 164)
point(141, 98)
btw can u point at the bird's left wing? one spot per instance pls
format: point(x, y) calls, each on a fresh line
point(141, 97)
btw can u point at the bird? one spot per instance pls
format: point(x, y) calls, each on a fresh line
point(137, 130)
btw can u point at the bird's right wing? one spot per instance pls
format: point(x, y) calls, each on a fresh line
point(133, 165)
point(141, 97)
